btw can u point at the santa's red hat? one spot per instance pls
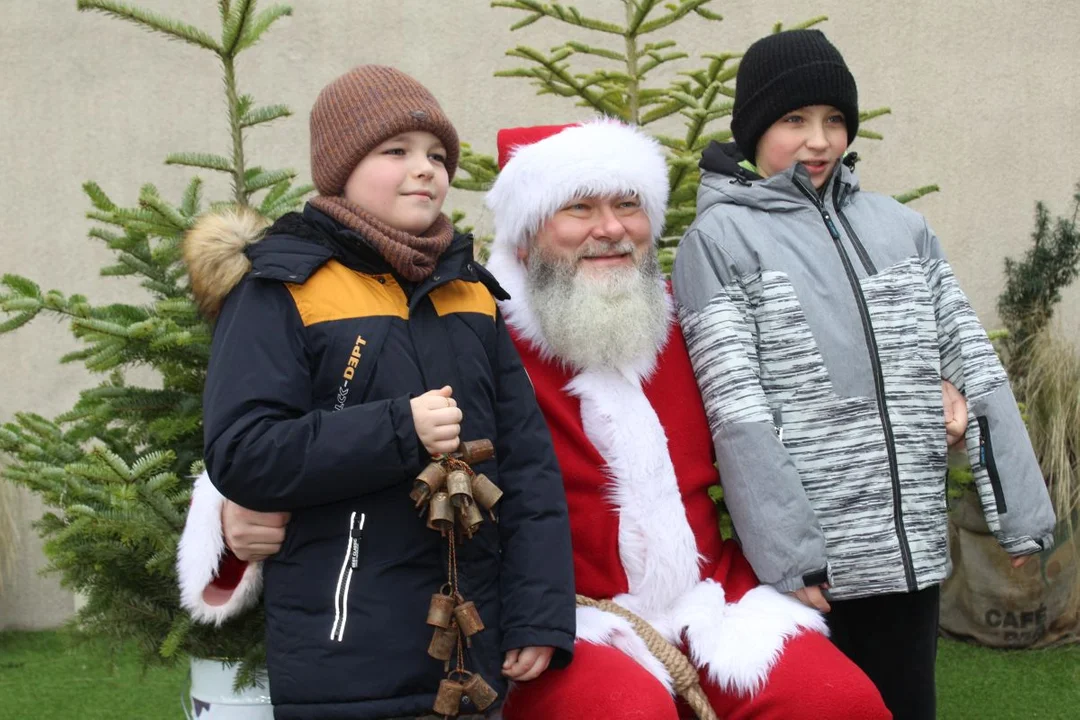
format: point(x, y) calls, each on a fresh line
point(543, 168)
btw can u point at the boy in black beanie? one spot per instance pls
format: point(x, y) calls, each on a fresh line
point(821, 321)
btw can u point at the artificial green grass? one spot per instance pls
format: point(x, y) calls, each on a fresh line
point(44, 676)
point(977, 683)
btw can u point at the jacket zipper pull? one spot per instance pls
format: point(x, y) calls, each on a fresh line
point(829, 224)
point(778, 423)
point(356, 535)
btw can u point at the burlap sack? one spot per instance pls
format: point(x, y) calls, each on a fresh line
point(988, 602)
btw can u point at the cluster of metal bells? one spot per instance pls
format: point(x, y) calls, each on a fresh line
point(470, 688)
point(452, 616)
point(454, 494)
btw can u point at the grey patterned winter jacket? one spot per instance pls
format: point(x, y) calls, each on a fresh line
point(820, 328)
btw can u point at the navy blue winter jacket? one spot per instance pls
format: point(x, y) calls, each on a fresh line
point(316, 354)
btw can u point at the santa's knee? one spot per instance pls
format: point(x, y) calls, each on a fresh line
point(601, 682)
point(813, 679)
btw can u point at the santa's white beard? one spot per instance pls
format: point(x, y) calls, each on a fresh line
point(602, 321)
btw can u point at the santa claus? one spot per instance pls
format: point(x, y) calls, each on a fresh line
point(577, 212)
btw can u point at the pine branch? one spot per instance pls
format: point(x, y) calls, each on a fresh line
point(677, 13)
point(867, 115)
point(206, 161)
point(262, 180)
point(805, 24)
point(153, 22)
point(265, 114)
point(553, 74)
point(915, 194)
point(481, 170)
point(636, 13)
point(655, 60)
point(287, 202)
point(236, 130)
point(189, 203)
point(169, 214)
point(235, 22)
point(260, 24)
point(98, 197)
point(581, 47)
point(568, 15)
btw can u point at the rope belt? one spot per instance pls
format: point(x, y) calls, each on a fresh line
point(682, 671)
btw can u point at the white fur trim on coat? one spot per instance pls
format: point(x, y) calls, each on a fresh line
point(736, 643)
point(657, 547)
point(601, 157)
point(599, 627)
point(739, 643)
point(198, 558)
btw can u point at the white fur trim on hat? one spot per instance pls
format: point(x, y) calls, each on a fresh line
point(199, 555)
point(601, 157)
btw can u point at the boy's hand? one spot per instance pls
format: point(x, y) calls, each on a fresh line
point(813, 597)
point(437, 420)
point(956, 413)
point(252, 536)
point(527, 663)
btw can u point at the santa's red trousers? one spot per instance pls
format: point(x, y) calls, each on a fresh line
point(811, 680)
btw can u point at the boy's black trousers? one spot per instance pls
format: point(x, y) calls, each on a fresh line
point(893, 639)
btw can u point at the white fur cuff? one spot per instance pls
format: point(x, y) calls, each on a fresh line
point(739, 643)
point(199, 556)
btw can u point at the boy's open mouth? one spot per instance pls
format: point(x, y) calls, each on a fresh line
point(815, 166)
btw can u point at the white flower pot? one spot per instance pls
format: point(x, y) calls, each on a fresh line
point(212, 696)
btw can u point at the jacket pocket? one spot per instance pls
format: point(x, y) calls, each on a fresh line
point(349, 564)
point(986, 459)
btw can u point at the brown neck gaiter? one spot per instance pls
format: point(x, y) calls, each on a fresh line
point(412, 256)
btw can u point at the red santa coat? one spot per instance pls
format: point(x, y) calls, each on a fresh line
point(636, 455)
point(637, 462)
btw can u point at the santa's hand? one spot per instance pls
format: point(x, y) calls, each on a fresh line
point(813, 597)
point(956, 413)
point(527, 663)
point(437, 420)
point(252, 536)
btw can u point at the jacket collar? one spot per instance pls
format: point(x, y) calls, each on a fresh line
point(725, 181)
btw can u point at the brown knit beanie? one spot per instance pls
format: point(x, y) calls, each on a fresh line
point(364, 107)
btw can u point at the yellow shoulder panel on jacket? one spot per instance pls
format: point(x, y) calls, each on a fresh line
point(463, 297)
point(334, 292)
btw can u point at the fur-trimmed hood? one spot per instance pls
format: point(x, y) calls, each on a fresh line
point(214, 250)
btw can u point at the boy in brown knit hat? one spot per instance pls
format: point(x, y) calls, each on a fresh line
point(353, 342)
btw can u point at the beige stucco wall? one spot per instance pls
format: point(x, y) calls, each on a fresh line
point(985, 97)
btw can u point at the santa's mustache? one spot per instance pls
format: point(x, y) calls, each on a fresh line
point(602, 249)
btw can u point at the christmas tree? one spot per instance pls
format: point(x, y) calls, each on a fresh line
point(117, 467)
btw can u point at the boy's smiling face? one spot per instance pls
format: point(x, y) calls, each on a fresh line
point(815, 136)
point(402, 181)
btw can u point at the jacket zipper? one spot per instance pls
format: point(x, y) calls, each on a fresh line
point(348, 565)
point(860, 250)
point(879, 382)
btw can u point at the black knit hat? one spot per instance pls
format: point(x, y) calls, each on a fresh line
point(784, 72)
